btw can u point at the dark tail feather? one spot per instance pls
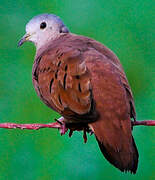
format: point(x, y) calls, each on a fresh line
point(116, 158)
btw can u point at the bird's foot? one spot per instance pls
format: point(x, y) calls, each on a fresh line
point(63, 129)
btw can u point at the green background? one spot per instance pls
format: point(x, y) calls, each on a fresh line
point(126, 27)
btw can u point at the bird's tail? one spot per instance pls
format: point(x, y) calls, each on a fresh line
point(124, 156)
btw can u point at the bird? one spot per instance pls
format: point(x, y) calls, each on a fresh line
point(84, 81)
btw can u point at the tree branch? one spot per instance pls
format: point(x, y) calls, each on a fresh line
point(30, 126)
point(58, 125)
point(144, 123)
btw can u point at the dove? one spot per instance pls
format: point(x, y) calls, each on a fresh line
point(85, 83)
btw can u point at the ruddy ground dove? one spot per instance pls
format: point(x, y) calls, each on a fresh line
point(83, 80)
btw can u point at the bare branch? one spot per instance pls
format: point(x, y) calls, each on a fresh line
point(58, 125)
point(30, 126)
point(144, 123)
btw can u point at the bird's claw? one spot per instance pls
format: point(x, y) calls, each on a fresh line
point(62, 128)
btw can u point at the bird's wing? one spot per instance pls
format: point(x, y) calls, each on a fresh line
point(112, 58)
point(64, 84)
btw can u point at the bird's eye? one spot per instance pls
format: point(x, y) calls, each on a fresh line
point(43, 25)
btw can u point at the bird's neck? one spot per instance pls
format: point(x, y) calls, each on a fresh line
point(44, 41)
point(49, 43)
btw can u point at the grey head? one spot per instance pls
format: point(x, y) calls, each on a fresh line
point(43, 28)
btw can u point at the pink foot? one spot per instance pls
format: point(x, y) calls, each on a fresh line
point(63, 128)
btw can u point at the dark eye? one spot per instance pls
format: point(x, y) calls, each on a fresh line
point(42, 25)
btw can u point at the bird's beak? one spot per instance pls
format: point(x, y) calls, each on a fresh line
point(25, 38)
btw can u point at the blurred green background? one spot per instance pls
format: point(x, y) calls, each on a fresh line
point(124, 26)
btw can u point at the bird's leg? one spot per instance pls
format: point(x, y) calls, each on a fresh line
point(63, 128)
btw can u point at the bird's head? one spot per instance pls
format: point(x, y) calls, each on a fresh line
point(42, 28)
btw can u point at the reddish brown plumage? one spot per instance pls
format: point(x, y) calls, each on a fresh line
point(84, 81)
